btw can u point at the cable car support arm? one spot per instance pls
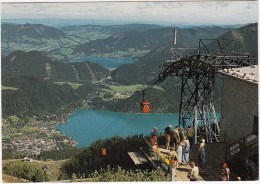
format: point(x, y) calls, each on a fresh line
point(198, 80)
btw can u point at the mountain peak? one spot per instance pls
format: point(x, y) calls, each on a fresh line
point(35, 31)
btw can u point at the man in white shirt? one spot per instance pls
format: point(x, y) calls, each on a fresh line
point(194, 173)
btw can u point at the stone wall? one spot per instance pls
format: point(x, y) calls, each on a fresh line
point(239, 108)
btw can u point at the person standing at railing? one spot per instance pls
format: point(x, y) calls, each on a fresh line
point(202, 133)
point(190, 134)
point(167, 134)
point(154, 134)
point(173, 164)
point(179, 152)
point(182, 134)
point(202, 154)
point(176, 136)
point(185, 151)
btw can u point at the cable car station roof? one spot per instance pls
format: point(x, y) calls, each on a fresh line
point(249, 73)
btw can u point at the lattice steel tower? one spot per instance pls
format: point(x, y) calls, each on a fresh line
point(198, 73)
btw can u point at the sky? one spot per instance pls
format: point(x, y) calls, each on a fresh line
point(196, 13)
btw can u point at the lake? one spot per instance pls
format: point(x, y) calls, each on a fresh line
point(106, 62)
point(87, 126)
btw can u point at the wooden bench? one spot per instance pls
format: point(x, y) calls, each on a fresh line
point(138, 158)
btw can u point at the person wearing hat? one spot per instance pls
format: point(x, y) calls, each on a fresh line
point(167, 134)
point(154, 134)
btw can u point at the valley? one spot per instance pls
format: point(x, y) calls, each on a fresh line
point(63, 86)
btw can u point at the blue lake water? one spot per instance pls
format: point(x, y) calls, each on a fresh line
point(106, 62)
point(87, 126)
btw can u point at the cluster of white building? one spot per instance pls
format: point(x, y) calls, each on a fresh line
point(35, 146)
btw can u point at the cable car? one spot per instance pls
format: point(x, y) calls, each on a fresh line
point(145, 105)
point(104, 151)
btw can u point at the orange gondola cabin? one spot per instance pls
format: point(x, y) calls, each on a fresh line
point(145, 105)
point(104, 151)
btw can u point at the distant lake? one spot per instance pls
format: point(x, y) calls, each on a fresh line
point(87, 126)
point(106, 62)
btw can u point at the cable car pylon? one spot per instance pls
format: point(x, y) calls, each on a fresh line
point(197, 73)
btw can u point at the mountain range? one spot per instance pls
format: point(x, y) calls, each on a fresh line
point(31, 78)
point(39, 65)
point(35, 84)
point(68, 42)
point(40, 37)
point(243, 41)
point(147, 40)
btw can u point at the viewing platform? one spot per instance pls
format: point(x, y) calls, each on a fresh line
point(215, 155)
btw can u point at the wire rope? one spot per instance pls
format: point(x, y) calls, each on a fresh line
point(117, 118)
point(127, 109)
point(138, 115)
point(168, 91)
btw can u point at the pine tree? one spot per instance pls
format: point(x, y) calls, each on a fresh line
point(74, 177)
point(39, 176)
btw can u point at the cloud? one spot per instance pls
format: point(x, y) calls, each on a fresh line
point(170, 5)
point(188, 12)
point(250, 5)
point(222, 4)
point(206, 4)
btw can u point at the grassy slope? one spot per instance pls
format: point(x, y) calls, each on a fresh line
point(72, 84)
point(8, 88)
point(10, 179)
point(53, 171)
point(130, 88)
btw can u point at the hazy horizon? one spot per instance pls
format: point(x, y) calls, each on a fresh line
point(159, 13)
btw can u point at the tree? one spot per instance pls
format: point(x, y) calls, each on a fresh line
point(74, 177)
point(39, 176)
point(121, 175)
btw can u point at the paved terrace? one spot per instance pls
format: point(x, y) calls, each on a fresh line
point(215, 158)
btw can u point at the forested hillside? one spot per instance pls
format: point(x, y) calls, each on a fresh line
point(35, 96)
point(28, 171)
point(90, 159)
point(28, 37)
point(162, 100)
point(33, 83)
point(80, 30)
point(146, 70)
point(245, 40)
point(38, 64)
point(148, 40)
point(88, 164)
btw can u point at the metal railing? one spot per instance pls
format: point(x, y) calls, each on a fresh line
point(241, 146)
point(242, 150)
point(158, 157)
